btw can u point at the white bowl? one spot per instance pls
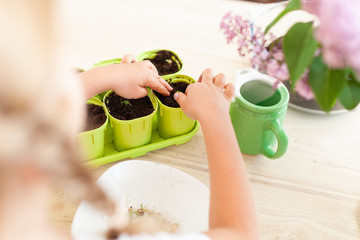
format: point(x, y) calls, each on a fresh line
point(178, 196)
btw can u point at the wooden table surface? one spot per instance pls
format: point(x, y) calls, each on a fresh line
point(312, 192)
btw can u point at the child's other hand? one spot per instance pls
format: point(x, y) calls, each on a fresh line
point(207, 98)
point(130, 78)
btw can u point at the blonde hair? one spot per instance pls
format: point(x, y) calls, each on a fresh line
point(41, 107)
point(41, 102)
point(33, 94)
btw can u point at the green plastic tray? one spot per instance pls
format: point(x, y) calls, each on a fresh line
point(112, 155)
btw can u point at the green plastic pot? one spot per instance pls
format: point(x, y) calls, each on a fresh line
point(152, 54)
point(173, 121)
point(93, 141)
point(108, 131)
point(133, 133)
point(107, 62)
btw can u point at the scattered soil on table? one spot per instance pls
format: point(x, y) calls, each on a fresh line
point(127, 109)
point(96, 117)
point(169, 100)
point(165, 63)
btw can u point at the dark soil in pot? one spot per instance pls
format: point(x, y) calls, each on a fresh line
point(169, 100)
point(96, 117)
point(164, 62)
point(127, 109)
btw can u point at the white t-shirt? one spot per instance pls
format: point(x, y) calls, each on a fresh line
point(165, 236)
point(159, 236)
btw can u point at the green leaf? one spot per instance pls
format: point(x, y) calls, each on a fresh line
point(326, 83)
point(291, 6)
point(126, 102)
point(350, 94)
point(353, 75)
point(299, 48)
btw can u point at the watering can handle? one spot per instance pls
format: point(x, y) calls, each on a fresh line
point(281, 138)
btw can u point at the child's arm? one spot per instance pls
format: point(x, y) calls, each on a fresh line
point(128, 79)
point(232, 210)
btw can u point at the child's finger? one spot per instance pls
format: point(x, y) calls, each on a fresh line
point(157, 86)
point(206, 76)
point(128, 59)
point(229, 91)
point(180, 98)
point(220, 80)
point(165, 84)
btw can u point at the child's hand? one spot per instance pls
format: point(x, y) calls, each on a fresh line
point(207, 98)
point(130, 78)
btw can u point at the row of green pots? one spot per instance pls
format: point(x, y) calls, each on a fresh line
point(145, 55)
point(127, 134)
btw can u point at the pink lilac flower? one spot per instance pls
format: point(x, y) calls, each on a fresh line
point(278, 55)
point(238, 30)
point(311, 6)
point(283, 73)
point(269, 60)
point(303, 88)
point(274, 63)
point(339, 31)
point(272, 67)
point(233, 26)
